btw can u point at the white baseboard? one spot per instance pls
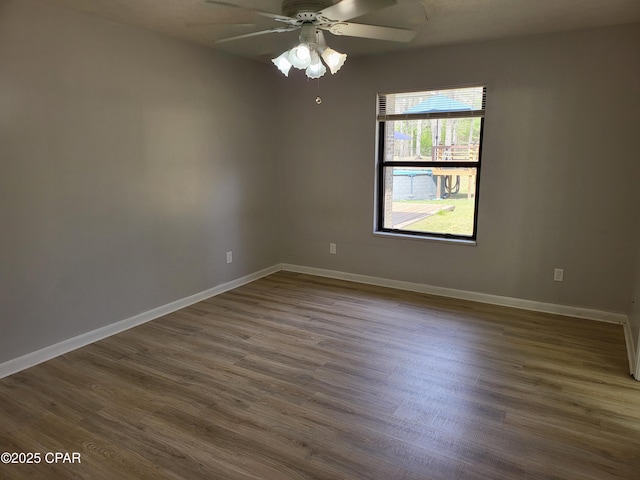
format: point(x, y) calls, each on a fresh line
point(636, 353)
point(31, 359)
point(631, 352)
point(579, 312)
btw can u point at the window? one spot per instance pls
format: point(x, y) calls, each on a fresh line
point(429, 149)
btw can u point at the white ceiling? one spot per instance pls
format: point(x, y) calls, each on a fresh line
point(437, 22)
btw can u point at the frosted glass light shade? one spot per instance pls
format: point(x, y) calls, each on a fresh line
point(300, 56)
point(283, 63)
point(333, 59)
point(316, 68)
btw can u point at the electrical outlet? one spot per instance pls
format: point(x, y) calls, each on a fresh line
point(558, 275)
point(332, 248)
point(229, 257)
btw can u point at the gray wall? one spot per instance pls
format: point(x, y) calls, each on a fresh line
point(130, 163)
point(560, 161)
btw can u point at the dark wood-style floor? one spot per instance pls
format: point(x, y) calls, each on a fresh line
point(300, 377)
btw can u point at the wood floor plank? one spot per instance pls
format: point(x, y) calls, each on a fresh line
point(302, 377)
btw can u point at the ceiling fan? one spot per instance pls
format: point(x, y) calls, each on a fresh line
point(312, 18)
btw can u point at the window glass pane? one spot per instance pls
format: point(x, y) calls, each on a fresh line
point(435, 139)
point(429, 200)
point(434, 101)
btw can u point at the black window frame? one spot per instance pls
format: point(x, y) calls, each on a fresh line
point(382, 120)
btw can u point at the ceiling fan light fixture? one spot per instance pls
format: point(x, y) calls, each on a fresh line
point(333, 59)
point(300, 56)
point(313, 18)
point(283, 63)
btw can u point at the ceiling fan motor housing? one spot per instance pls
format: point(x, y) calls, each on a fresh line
point(304, 9)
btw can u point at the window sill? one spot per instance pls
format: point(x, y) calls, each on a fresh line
point(420, 238)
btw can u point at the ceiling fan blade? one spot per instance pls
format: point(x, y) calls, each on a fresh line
point(262, 13)
point(348, 9)
point(371, 31)
point(255, 34)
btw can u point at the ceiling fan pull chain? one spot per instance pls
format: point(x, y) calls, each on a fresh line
point(318, 99)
